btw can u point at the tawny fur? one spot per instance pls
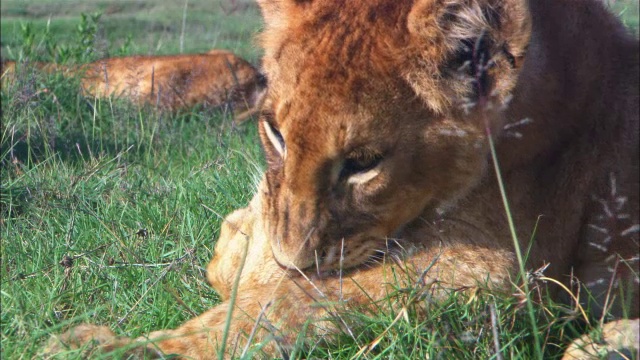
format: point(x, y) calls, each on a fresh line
point(376, 138)
point(617, 340)
point(172, 82)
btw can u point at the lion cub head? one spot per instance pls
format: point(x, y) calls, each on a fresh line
point(373, 117)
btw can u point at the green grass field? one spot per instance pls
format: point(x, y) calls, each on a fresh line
point(109, 212)
point(156, 27)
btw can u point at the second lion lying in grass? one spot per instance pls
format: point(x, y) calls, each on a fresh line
point(171, 82)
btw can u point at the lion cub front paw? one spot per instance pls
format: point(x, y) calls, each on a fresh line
point(89, 336)
point(618, 339)
point(93, 340)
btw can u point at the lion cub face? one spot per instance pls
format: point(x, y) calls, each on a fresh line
point(344, 176)
point(367, 128)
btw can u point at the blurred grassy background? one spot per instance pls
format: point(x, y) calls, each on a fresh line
point(629, 12)
point(155, 26)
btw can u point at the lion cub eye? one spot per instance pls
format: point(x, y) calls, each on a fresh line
point(360, 167)
point(275, 137)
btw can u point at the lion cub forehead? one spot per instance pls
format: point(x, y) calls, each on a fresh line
point(332, 129)
point(336, 50)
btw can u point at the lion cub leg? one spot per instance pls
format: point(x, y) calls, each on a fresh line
point(243, 249)
point(198, 338)
point(609, 260)
point(230, 249)
point(617, 340)
point(94, 340)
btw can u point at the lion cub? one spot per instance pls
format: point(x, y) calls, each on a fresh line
point(170, 82)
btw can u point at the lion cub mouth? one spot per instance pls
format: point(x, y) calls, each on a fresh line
point(340, 259)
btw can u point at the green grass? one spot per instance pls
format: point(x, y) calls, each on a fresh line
point(629, 12)
point(156, 26)
point(81, 180)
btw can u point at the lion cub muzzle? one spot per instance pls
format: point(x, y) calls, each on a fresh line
point(343, 255)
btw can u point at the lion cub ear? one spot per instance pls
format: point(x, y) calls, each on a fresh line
point(275, 12)
point(271, 9)
point(465, 48)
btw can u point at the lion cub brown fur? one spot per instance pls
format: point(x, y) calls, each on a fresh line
point(170, 82)
point(376, 136)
